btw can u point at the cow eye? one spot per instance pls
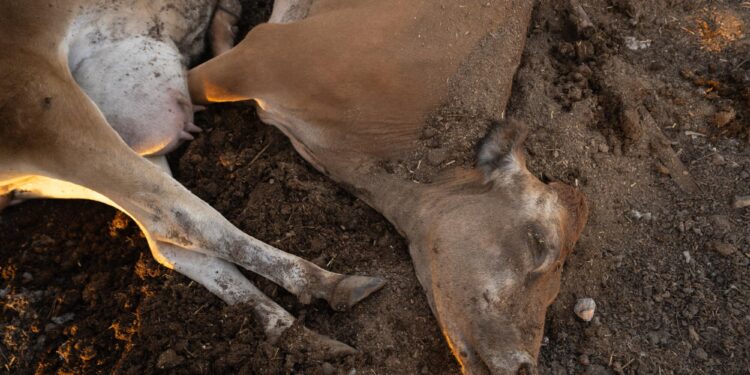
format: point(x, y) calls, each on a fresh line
point(542, 250)
point(537, 244)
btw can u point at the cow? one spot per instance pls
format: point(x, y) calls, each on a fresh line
point(93, 93)
point(374, 94)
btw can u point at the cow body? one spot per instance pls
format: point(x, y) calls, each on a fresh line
point(361, 88)
point(88, 88)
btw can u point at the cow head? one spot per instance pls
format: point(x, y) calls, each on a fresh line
point(490, 254)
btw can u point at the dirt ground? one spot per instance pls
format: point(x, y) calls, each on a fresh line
point(649, 114)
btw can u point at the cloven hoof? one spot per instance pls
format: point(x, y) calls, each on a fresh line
point(352, 289)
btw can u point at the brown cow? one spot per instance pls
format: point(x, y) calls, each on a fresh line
point(367, 90)
point(86, 87)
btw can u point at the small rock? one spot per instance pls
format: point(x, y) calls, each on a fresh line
point(687, 73)
point(742, 202)
point(691, 311)
point(656, 66)
point(725, 249)
point(687, 256)
point(434, 142)
point(662, 169)
point(168, 359)
point(721, 224)
point(724, 117)
point(328, 369)
point(585, 308)
point(634, 44)
point(603, 148)
point(26, 278)
point(429, 133)
point(653, 337)
point(637, 215)
point(693, 334)
point(584, 360)
point(437, 156)
point(718, 160)
point(700, 354)
point(62, 319)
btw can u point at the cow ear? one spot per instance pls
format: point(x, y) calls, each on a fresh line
point(577, 210)
point(501, 151)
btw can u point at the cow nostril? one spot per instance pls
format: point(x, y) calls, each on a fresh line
point(526, 368)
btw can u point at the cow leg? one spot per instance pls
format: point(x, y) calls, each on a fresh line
point(225, 281)
point(286, 11)
point(41, 188)
point(220, 277)
point(74, 153)
point(207, 232)
point(223, 25)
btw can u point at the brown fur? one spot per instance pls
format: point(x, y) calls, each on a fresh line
point(56, 143)
point(355, 84)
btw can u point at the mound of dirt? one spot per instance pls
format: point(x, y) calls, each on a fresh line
point(647, 113)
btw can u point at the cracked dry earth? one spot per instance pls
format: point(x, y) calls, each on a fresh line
point(649, 115)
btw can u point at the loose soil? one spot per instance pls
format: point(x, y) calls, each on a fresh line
point(657, 137)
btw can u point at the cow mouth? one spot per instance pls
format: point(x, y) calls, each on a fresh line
point(474, 362)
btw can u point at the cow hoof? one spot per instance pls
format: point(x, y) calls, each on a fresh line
point(352, 289)
point(326, 347)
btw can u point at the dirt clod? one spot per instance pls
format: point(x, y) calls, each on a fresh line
point(169, 359)
point(328, 369)
point(723, 248)
point(724, 117)
point(700, 354)
point(437, 156)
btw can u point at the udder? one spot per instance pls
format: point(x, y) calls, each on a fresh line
point(140, 85)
